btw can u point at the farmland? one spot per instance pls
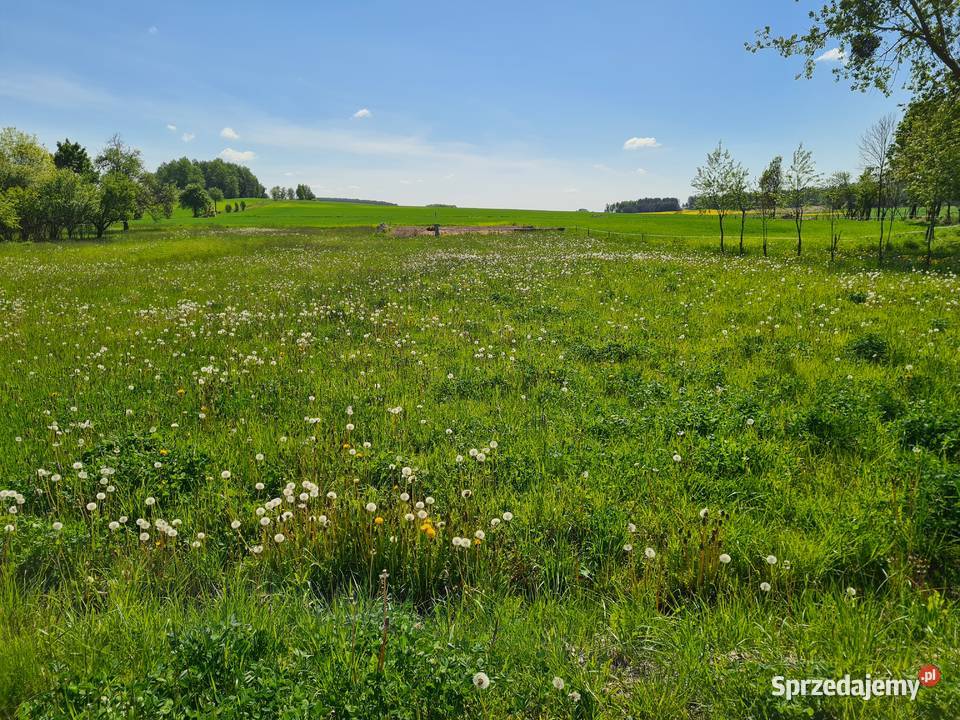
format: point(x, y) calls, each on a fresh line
point(579, 476)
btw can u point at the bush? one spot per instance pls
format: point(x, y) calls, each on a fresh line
point(870, 347)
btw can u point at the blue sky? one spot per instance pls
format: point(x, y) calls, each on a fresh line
point(493, 104)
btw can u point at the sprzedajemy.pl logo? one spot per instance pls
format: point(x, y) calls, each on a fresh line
point(866, 687)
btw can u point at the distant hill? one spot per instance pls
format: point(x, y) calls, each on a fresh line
point(356, 201)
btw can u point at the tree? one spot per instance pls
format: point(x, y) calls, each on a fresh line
point(875, 154)
point(24, 162)
point(277, 193)
point(156, 198)
point(195, 197)
point(837, 195)
point(713, 182)
point(180, 172)
point(866, 193)
point(800, 176)
point(116, 201)
point(769, 187)
point(304, 192)
point(9, 220)
point(741, 196)
point(243, 205)
point(236, 207)
point(73, 156)
point(216, 194)
point(926, 155)
point(66, 201)
point(876, 37)
point(118, 158)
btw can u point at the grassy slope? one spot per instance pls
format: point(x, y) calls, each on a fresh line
point(591, 362)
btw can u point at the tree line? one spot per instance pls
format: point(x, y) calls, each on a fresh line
point(234, 181)
point(908, 167)
point(301, 192)
point(44, 195)
point(643, 205)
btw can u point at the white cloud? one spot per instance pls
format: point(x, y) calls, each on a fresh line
point(362, 113)
point(636, 143)
point(229, 133)
point(832, 55)
point(152, 30)
point(237, 156)
point(641, 171)
point(187, 136)
point(171, 127)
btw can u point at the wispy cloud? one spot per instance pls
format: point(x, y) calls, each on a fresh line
point(638, 143)
point(641, 171)
point(187, 137)
point(171, 127)
point(53, 90)
point(362, 113)
point(237, 156)
point(229, 133)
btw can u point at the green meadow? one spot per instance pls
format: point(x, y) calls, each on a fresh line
point(265, 466)
point(691, 225)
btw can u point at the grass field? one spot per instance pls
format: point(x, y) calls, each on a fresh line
point(615, 476)
point(685, 225)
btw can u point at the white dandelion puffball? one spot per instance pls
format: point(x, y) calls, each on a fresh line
point(558, 683)
point(650, 553)
point(481, 680)
point(58, 526)
point(724, 558)
point(508, 516)
point(150, 501)
point(765, 586)
point(225, 474)
point(771, 559)
point(628, 548)
point(235, 524)
point(676, 457)
point(279, 538)
point(851, 592)
point(144, 537)
point(91, 506)
point(371, 507)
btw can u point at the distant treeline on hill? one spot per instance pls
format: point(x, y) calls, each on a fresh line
point(356, 200)
point(644, 205)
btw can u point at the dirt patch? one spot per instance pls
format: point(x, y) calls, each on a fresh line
point(417, 230)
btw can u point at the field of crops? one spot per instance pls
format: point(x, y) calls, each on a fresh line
point(578, 477)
